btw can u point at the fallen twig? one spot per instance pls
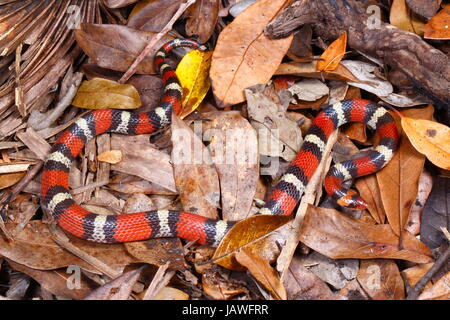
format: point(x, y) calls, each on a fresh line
point(61, 240)
point(132, 69)
point(284, 260)
point(420, 285)
point(160, 280)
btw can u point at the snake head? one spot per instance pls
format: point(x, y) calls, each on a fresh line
point(352, 200)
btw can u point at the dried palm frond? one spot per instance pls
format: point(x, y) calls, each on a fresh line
point(37, 48)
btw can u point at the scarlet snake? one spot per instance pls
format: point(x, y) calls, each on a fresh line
point(57, 200)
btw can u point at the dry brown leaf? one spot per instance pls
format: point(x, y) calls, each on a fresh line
point(308, 90)
point(117, 289)
point(234, 151)
point(302, 284)
point(369, 190)
point(10, 179)
point(158, 252)
point(333, 54)
point(429, 138)
point(245, 56)
point(402, 17)
point(338, 236)
point(196, 178)
point(336, 273)
point(218, 288)
point(34, 248)
point(300, 50)
point(118, 3)
point(150, 87)
point(142, 160)
point(435, 213)
point(414, 274)
point(398, 180)
point(315, 105)
point(278, 135)
point(169, 293)
point(56, 281)
point(381, 279)
point(263, 272)
point(116, 47)
point(439, 291)
point(352, 291)
point(133, 185)
point(101, 93)
point(426, 8)
point(152, 15)
point(367, 76)
point(203, 15)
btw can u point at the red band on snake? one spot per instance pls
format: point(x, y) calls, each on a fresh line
point(57, 199)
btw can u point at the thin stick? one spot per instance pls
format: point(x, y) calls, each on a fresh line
point(160, 280)
point(420, 285)
point(63, 241)
point(90, 186)
point(285, 257)
point(154, 40)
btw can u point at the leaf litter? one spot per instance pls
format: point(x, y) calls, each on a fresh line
point(270, 89)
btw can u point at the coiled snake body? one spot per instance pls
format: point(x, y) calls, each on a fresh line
point(57, 200)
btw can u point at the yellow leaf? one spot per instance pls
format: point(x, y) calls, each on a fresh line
point(402, 17)
point(429, 138)
point(333, 54)
point(110, 156)
point(193, 73)
point(101, 93)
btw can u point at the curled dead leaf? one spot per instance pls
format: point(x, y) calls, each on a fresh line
point(333, 54)
point(248, 233)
